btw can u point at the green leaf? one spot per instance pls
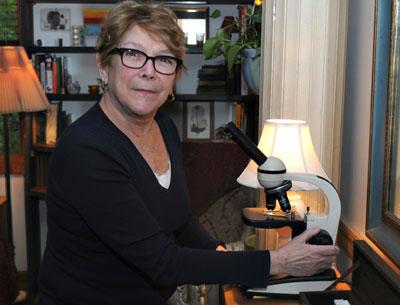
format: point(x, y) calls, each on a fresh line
point(257, 18)
point(232, 54)
point(215, 14)
point(210, 47)
point(222, 34)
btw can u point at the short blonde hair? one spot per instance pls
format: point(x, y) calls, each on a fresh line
point(156, 19)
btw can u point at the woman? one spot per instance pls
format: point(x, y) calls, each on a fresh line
point(120, 230)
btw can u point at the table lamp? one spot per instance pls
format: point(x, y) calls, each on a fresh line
point(290, 141)
point(20, 91)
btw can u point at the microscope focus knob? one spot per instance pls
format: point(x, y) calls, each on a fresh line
point(321, 238)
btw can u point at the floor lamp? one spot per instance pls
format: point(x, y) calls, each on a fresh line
point(20, 91)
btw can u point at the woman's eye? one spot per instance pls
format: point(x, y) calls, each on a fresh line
point(132, 53)
point(166, 60)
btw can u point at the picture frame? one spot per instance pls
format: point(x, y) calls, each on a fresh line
point(92, 19)
point(198, 121)
point(55, 19)
point(194, 21)
point(224, 112)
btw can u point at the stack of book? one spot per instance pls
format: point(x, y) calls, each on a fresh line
point(52, 71)
point(211, 79)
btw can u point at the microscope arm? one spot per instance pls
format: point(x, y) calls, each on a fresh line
point(333, 200)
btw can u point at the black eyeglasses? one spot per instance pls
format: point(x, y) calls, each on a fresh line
point(135, 59)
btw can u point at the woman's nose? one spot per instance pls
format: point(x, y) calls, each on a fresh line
point(148, 68)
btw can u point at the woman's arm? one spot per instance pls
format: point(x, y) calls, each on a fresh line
point(193, 235)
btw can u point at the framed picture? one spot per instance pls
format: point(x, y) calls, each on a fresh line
point(92, 19)
point(224, 112)
point(198, 121)
point(54, 19)
point(194, 22)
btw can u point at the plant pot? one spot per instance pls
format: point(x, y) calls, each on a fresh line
point(232, 80)
point(251, 70)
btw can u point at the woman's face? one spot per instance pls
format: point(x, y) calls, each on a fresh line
point(142, 91)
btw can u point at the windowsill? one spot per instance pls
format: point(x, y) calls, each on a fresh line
point(388, 240)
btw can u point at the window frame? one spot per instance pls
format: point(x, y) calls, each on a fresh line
point(382, 227)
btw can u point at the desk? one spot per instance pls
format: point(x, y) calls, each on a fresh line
point(233, 296)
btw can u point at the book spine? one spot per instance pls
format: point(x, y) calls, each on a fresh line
point(62, 73)
point(49, 75)
point(42, 74)
point(54, 75)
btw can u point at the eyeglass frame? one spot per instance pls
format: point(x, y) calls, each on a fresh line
point(121, 52)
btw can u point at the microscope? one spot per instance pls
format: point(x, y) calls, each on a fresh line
point(276, 181)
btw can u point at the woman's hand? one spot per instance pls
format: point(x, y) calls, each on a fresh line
point(297, 258)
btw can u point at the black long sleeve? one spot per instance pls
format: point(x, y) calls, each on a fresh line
point(115, 235)
point(193, 235)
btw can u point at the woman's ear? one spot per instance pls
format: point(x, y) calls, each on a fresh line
point(103, 71)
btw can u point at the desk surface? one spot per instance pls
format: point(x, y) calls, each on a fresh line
point(233, 296)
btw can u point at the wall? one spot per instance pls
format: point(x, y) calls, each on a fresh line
point(304, 71)
point(18, 218)
point(355, 149)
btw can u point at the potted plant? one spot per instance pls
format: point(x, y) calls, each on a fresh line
point(248, 27)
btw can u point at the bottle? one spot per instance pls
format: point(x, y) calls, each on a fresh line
point(309, 218)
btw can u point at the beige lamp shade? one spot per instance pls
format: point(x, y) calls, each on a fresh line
point(290, 141)
point(20, 90)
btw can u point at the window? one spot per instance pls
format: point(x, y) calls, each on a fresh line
point(383, 222)
point(9, 27)
point(9, 34)
point(15, 132)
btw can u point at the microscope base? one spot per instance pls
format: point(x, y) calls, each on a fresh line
point(292, 286)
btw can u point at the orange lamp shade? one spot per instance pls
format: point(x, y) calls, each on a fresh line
point(20, 90)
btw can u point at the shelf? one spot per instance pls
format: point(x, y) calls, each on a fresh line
point(90, 50)
point(177, 2)
point(32, 50)
point(47, 148)
point(178, 97)
point(38, 192)
point(216, 97)
point(74, 97)
point(194, 50)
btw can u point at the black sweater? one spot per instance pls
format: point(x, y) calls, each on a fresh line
point(115, 235)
